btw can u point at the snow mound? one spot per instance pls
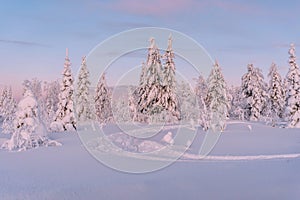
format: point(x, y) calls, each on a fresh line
point(132, 144)
point(33, 141)
point(168, 138)
point(149, 146)
point(120, 142)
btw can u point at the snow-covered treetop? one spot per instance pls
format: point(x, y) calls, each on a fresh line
point(103, 79)
point(292, 58)
point(170, 43)
point(216, 65)
point(153, 53)
point(27, 86)
point(28, 100)
point(293, 73)
point(169, 55)
point(67, 64)
point(273, 68)
point(292, 50)
point(83, 73)
point(250, 67)
point(274, 75)
point(83, 60)
point(67, 52)
point(152, 43)
point(252, 78)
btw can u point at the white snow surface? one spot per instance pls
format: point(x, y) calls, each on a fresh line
point(261, 163)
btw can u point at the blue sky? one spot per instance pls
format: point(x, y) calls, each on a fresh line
point(34, 34)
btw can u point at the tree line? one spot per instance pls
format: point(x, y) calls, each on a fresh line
point(158, 97)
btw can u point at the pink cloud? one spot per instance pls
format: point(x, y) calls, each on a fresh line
point(231, 6)
point(157, 7)
point(166, 7)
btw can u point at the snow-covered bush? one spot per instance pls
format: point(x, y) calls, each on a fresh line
point(29, 132)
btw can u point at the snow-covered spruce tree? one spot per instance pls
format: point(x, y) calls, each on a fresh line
point(28, 130)
point(37, 91)
point(103, 101)
point(201, 87)
point(169, 98)
point(276, 95)
point(201, 92)
point(236, 108)
point(254, 94)
point(150, 91)
point(203, 119)
point(36, 88)
point(132, 103)
point(50, 102)
point(293, 91)
point(65, 117)
point(189, 111)
point(121, 110)
point(246, 91)
point(83, 104)
point(143, 74)
point(9, 110)
point(141, 90)
point(217, 99)
point(2, 98)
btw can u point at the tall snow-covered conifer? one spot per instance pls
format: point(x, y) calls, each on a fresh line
point(83, 104)
point(217, 98)
point(169, 99)
point(65, 117)
point(276, 94)
point(150, 100)
point(103, 101)
point(293, 91)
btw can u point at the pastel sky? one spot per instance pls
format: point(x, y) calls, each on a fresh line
point(34, 33)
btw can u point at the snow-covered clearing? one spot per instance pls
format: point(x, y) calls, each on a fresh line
point(257, 163)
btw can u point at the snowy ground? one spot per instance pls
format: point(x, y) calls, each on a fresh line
point(250, 161)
